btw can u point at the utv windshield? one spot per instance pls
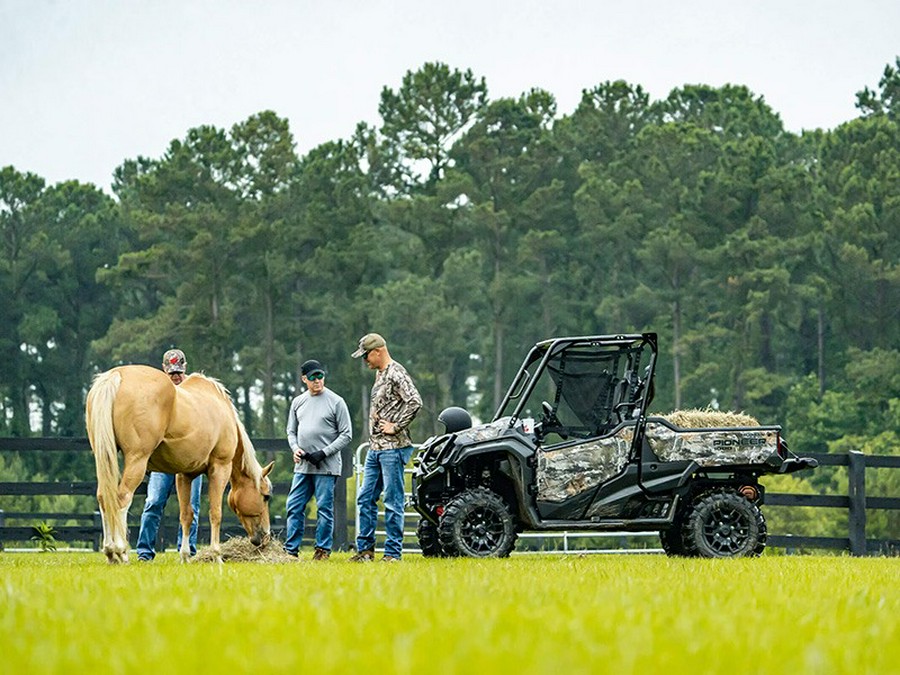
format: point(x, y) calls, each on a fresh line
point(588, 386)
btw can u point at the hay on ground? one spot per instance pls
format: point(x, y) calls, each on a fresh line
point(239, 549)
point(709, 418)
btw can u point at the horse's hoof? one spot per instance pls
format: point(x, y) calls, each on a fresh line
point(114, 557)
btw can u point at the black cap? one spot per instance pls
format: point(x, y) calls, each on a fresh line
point(311, 367)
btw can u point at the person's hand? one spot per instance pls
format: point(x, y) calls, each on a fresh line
point(386, 427)
point(315, 457)
point(298, 455)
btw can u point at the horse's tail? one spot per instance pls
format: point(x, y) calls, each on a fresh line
point(102, 436)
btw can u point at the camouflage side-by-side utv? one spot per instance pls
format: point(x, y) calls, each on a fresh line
point(571, 447)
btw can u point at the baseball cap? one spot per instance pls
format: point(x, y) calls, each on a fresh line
point(367, 343)
point(311, 367)
point(174, 361)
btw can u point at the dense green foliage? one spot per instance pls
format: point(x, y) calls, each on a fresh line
point(464, 229)
point(62, 613)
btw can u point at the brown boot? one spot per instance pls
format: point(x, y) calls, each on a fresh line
point(363, 556)
point(321, 554)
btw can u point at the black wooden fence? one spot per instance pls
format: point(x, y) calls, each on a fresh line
point(856, 502)
point(87, 527)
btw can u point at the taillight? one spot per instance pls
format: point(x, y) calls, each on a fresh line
point(782, 447)
point(439, 510)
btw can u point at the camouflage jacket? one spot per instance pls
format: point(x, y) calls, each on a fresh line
point(395, 399)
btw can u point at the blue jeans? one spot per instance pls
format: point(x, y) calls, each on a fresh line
point(159, 488)
point(303, 486)
point(383, 470)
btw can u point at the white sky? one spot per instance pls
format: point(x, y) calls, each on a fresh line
point(87, 84)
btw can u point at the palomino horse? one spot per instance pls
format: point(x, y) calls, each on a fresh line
point(187, 430)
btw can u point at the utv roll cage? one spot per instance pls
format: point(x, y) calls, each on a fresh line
point(600, 380)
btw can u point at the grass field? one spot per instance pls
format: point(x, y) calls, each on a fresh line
point(70, 612)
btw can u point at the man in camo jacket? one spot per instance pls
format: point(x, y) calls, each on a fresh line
point(393, 406)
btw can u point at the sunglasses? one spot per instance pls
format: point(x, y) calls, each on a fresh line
point(316, 376)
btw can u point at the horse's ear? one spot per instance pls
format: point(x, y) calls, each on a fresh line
point(267, 468)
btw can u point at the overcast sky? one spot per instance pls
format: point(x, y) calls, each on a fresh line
point(87, 84)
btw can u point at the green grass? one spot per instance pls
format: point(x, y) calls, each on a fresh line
point(71, 612)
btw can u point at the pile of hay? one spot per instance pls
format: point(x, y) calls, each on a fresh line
point(239, 549)
point(709, 418)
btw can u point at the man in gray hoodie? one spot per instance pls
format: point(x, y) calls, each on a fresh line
point(318, 429)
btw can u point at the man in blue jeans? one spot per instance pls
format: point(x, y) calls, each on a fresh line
point(394, 404)
point(159, 486)
point(318, 430)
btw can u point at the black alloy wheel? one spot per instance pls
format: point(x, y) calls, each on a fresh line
point(477, 523)
point(671, 540)
point(427, 533)
point(723, 523)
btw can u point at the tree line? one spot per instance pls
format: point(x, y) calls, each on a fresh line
point(464, 229)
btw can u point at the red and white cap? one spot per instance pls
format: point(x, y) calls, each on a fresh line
point(174, 361)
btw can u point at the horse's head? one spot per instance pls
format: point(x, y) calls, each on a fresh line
point(251, 504)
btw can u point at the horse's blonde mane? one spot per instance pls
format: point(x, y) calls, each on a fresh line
point(250, 463)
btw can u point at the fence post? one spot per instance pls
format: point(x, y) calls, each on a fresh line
point(358, 469)
point(340, 514)
point(857, 493)
point(98, 525)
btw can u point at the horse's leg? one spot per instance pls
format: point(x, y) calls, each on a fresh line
point(218, 476)
point(186, 514)
point(107, 512)
point(132, 475)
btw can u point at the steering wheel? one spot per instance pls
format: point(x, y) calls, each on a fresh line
point(550, 422)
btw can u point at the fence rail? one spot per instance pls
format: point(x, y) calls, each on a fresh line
point(88, 528)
